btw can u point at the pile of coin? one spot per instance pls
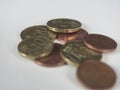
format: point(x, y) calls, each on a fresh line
point(77, 47)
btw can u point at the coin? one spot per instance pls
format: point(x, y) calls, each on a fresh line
point(35, 47)
point(40, 30)
point(54, 59)
point(96, 75)
point(100, 43)
point(74, 52)
point(65, 37)
point(64, 25)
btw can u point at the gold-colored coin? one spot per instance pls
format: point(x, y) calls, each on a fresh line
point(74, 52)
point(40, 30)
point(35, 47)
point(64, 25)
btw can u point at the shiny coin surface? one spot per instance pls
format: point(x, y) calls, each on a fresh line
point(65, 37)
point(96, 75)
point(74, 52)
point(38, 31)
point(100, 43)
point(35, 47)
point(64, 25)
point(54, 59)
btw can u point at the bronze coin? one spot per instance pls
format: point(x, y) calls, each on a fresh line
point(63, 25)
point(74, 52)
point(100, 43)
point(79, 35)
point(96, 75)
point(54, 59)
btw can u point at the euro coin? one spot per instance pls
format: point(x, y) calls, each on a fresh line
point(35, 47)
point(40, 30)
point(64, 25)
point(74, 52)
point(96, 75)
point(54, 59)
point(65, 37)
point(100, 43)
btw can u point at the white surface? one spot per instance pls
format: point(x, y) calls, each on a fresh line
point(18, 73)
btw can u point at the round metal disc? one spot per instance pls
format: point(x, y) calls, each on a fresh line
point(100, 43)
point(35, 47)
point(96, 75)
point(64, 25)
point(74, 52)
point(65, 37)
point(38, 31)
point(54, 59)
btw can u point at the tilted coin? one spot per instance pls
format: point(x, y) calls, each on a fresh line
point(35, 47)
point(100, 43)
point(64, 25)
point(65, 37)
point(40, 30)
point(96, 75)
point(74, 52)
point(54, 59)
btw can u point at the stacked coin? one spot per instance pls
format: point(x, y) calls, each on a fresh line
point(76, 47)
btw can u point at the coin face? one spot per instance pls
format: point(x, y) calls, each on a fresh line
point(38, 31)
point(96, 75)
point(100, 43)
point(35, 47)
point(65, 37)
point(64, 25)
point(74, 52)
point(54, 59)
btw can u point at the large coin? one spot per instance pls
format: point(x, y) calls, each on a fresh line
point(74, 52)
point(96, 75)
point(35, 47)
point(64, 25)
point(65, 37)
point(38, 31)
point(54, 59)
point(100, 43)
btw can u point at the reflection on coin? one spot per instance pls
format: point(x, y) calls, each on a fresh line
point(79, 35)
point(64, 25)
point(100, 43)
point(96, 75)
point(38, 31)
point(54, 59)
point(74, 52)
point(35, 47)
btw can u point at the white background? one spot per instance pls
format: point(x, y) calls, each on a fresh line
point(18, 73)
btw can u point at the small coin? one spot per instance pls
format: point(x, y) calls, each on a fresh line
point(96, 75)
point(100, 43)
point(40, 30)
point(64, 25)
point(74, 52)
point(65, 37)
point(35, 47)
point(54, 59)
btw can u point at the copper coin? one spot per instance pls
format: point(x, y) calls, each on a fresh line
point(100, 43)
point(54, 59)
point(79, 35)
point(96, 75)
